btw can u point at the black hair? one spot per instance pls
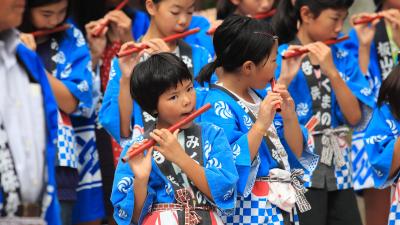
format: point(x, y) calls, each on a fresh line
point(225, 8)
point(378, 4)
point(27, 25)
point(287, 16)
point(390, 92)
point(153, 77)
point(237, 40)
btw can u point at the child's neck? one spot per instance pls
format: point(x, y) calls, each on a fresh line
point(303, 36)
point(235, 84)
point(154, 32)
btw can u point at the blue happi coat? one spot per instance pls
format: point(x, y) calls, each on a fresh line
point(349, 71)
point(218, 167)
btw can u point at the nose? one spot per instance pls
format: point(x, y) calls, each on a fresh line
point(339, 26)
point(265, 5)
point(182, 21)
point(186, 100)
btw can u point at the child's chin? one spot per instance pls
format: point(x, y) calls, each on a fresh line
point(186, 126)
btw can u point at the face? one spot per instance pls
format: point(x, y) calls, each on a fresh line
point(11, 13)
point(393, 4)
point(265, 70)
point(175, 104)
point(171, 16)
point(327, 25)
point(252, 7)
point(49, 16)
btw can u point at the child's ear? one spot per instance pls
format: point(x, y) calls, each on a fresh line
point(248, 68)
point(235, 2)
point(151, 7)
point(306, 15)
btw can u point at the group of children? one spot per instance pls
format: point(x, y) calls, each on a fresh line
point(253, 157)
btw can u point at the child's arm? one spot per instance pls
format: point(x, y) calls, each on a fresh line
point(348, 103)
point(65, 99)
point(365, 34)
point(172, 150)
point(292, 130)
point(97, 44)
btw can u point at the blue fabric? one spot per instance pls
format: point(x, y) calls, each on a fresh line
point(380, 138)
point(140, 24)
point(222, 175)
point(229, 115)
point(109, 111)
point(36, 68)
point(201, 38)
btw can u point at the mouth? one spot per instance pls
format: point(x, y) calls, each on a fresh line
point(185, 114)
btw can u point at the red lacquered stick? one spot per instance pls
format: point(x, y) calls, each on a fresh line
point(148, 144)
point(60, 28)
point(265, 15)
point(277, 106)
point(327, 42)
point(103, 25)
point(260, 16)
point(312, 123)
point(367, 19)
point(166, 39)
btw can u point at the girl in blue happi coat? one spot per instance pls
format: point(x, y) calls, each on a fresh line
point(265, 149)
point(382, 141)
point(330, 87)
point(67, 61)
point(118, 114)
point(190, 173)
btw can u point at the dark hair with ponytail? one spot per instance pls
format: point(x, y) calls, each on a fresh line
point(390, 92)
point(285, 20)
point(225, 8)
point(237, 40)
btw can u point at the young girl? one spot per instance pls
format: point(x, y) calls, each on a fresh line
point(382, 140)
point(167, 17)
point(189, 174)
point(375, 45)
point(243, 7)
point(265, 150)
point(331, 87)
point(67, 62)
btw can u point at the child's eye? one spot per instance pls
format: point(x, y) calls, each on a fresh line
point(190, 89)
point(175, 13)
point(174, 97)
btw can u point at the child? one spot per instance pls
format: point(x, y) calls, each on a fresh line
point(28, 129)
point(374, 45)
point(226, 8)
point(116, 111)
point(331, 87)
point(189, 174)
point(265, 151)
point(67, 62)
point(382, 139)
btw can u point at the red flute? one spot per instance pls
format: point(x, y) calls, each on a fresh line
point(259, 16)
point(103, 25)
point(60, 28)
point(278, 105)
point(367, 19)
point(265, 15)
point(150, 143)
point(166, 39)
point(327, 42)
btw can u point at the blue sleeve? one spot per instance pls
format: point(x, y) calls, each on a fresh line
point(140, 24)
point(308, 160)
point(109, 112)
point(219, 168)
point(380, 138)
point(201, 38)
point(74, 69)
point(222, 116)
point(122, 195)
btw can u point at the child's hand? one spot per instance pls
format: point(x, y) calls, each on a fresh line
point(393, 17)
point(97, 44)
point(29, 41)
point(267, 110)
point(365, 32)
point(169, 146)
point(156, 45)
point(121, 26)
point(287, 106)
point(321, 54)
point(141, 164)
point(128, 63)
point(291, 66)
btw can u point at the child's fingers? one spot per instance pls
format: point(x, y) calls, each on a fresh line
point(156, 137)
point(176, 133)
point(149, 153)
